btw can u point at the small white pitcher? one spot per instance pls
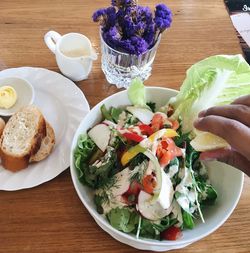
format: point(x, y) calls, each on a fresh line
point(74, 54)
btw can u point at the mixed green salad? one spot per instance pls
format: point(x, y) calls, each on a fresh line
point(146, 177)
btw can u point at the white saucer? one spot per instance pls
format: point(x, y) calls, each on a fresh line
point(25, 94)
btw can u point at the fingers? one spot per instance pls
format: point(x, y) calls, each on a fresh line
point(239, 112)
point(234, 132)
point(244, 100)
point(230, 157)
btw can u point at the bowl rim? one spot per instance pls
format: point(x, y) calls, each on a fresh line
point(146, 241)
point(4, 112)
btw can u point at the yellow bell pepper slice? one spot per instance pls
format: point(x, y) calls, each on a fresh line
point(131, 153)
point(169, 133)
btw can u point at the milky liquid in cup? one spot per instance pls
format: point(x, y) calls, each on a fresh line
point(76, 52)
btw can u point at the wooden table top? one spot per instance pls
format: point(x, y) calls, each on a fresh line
point(50, 217)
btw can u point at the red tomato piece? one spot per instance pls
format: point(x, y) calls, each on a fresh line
point(176, 151)
point(164, 144)
point(133, 137)
point(173, 233)
point(149, 183)
point(157, 122)
point(165, 158)
point(175, 124)
point(131, 195)
point(134, 188)
point(146, 129)
point(166, 151)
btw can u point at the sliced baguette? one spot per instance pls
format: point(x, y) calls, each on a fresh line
point(21, 138)
point(47, 145)
point(2, 125)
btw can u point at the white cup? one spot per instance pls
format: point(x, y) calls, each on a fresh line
point(74, 54)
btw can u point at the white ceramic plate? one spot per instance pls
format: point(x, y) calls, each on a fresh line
point(227, 181)
point(64, 106)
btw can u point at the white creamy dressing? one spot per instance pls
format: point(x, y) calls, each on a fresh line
point(122, 182)
point(115, 192)
point(150, 168)
point(183, 150)
point(97, 164)
point(203, 170)
point(148, 143)
point(187, 196)
point(121, 120)
point(150, 209)
point(112, 204)
point(183, 201)
point(173, 170)
point(176, 210)
point(136, 130)
point(167, 191)
point(154, 147)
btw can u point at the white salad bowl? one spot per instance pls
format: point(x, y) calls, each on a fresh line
point(227, 180)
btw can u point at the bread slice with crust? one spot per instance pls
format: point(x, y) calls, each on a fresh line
point(2, 125)
point(21, 138)
point(47, 145)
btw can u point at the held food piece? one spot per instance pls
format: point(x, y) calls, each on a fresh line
point(47, 145)
point(205, 141)
point(21, 138)
point(2, 125)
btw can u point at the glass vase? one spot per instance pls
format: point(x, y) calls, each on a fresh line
point(120, 68)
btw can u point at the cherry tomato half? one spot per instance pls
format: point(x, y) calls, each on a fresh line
point(173, 233)
point(131, 195)
point(149, 183)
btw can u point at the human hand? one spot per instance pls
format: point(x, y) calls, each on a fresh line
point(232, 123)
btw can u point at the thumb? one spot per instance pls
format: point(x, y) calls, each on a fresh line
point(229, 157)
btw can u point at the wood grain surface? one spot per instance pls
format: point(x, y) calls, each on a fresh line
point(50, 217)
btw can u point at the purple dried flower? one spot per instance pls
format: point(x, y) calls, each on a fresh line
point(149, 35)
point(131, 28)
point(114, 32)
point(134, 45)
point(140, 28)
point(163, 17)
point(140, 45)
point(132, 23)
point(128, 27)
point(123, 3)
point(144, 14)
point(112, 36)
point(111, 16)
point(98, 16)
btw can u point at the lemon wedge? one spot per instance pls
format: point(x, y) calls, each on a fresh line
point(8, 97)
point(205, 141)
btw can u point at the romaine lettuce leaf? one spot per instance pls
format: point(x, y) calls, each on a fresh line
point(217, 80)
point(136, 93)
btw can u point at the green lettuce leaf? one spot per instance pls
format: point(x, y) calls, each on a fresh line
point(123, 219)
point(187, 220)
point(217, 80)
point(82, 153)
point(136, 93)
